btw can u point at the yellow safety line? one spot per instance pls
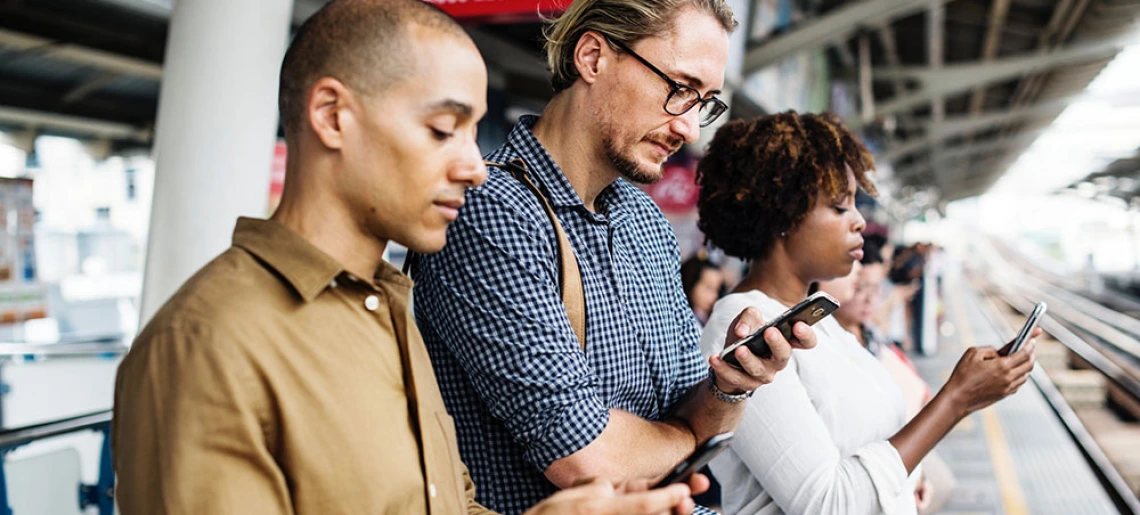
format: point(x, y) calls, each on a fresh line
point(1013, 499)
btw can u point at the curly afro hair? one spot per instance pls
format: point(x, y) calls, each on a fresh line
point(761, 177)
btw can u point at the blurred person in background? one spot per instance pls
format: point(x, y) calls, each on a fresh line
point(703, 283)
point(906, 275)
point(830, 433)
point(859, 294)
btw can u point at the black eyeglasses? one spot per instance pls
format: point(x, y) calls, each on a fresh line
point(681, 98)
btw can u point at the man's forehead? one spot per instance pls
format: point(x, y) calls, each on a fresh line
point(695, 52)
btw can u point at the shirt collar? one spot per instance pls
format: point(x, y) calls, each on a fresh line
point(308, 270)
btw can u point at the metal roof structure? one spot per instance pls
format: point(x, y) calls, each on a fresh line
point(1120, 180)
point(89, 69)
point(953, 90)
point(959, 89)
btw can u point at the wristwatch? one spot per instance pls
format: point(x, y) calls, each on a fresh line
point(726, 397)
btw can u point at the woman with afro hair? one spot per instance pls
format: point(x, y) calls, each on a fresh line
point(829, 435)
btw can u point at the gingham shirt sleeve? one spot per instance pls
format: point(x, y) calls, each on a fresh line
point(493, 298)
point(693, 367)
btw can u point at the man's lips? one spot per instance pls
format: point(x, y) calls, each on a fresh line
point(450, 208)
point(666, 148)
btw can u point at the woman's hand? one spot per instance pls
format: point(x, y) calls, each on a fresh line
point(923, 494)
point(983, 376)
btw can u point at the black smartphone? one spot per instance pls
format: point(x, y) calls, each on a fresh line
point(1027, 329)
point(809, 311)
point(697, 460)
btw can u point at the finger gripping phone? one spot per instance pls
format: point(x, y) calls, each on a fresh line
point(1027, 329)
point(809, 311)
point(697, 460)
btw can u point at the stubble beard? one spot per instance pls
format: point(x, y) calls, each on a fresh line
point(625, 165)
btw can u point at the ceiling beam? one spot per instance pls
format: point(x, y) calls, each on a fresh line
point(833, 28)
point(935, 54)
point(961, 77)
point(955, 154)
point(961, 125)
point(88, 87)
point(72, 124)
point(998, 10)
point(85, 56)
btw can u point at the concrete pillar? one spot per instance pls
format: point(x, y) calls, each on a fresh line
point(217, 119)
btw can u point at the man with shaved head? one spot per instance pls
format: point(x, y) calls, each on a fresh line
point(287, 376)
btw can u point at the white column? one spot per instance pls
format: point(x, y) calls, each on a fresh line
point(217, 119)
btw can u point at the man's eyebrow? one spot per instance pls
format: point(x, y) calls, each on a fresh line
point(461, 109)
point(696, 83)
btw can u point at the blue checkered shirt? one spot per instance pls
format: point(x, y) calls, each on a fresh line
point(510, 368)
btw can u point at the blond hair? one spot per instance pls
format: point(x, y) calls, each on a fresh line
point(625, 21)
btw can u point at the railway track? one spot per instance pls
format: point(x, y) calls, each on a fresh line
point(1107, 340)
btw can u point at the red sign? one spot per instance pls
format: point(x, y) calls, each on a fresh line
point(500, 11)
point(277, 175)
point(677, 190)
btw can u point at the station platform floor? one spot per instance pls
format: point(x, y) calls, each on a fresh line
point(1016, 456)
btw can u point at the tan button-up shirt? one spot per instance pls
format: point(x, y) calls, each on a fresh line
point(275, 382)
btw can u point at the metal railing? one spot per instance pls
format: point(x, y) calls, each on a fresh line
point(10, 350)
point(1115, 484)
point(100, 494)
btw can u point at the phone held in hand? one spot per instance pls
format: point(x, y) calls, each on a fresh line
point(1027, 329)
point(697, 460)
point(809, 311)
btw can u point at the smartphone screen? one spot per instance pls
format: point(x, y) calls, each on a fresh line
point(1027, 329)
point(809, 311)
point(700, 457)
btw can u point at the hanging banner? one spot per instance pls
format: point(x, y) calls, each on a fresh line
point(500, 11)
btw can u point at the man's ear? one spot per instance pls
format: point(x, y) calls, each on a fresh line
point(590, 55)
point(326, 111)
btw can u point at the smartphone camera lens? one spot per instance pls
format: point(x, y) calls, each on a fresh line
point(817, 313)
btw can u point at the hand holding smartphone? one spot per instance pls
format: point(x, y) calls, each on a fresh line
point(697, 460)
point(809, 311)
point(1027, 329)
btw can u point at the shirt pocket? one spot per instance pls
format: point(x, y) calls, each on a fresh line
point(447, 469)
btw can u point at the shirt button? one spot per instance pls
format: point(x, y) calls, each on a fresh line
point(431, 490)
point(332, 283)
point(371, 303)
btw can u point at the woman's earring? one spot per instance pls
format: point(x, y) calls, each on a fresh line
point(783, 235)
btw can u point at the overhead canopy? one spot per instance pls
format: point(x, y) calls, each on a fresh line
point(1120, 179)
point(960, 88)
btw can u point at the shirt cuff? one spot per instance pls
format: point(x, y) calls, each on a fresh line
point(579, 424)
point(887, 471)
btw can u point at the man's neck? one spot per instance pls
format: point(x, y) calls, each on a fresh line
point(776, 278)
point(564, 130)
point(329, 227)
